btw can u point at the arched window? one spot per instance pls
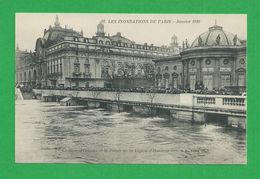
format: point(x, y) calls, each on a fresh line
point(107, 43)
point(166, 68)
point(159, 70)
point(100, 42)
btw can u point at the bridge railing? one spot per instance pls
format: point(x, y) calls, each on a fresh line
point(220, 101)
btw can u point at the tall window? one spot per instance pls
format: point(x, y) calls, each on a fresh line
point(76, 67)
point(120, 69)
point(53, 66)
point(241, 80)
point(208, 81)
point(104, 71)
point(166, 77)
point(192, 82)
point(86, 68)
point(132, 69)
point(60, 65)
point(158, 70)
point(225, 80)
point(174, 82)
point(57, 64)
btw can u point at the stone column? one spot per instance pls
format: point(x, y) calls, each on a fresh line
point(217, 79)
point(233, 72)
point(185, 72)
point(199, 70)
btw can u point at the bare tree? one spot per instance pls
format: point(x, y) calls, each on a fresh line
point(95, 94)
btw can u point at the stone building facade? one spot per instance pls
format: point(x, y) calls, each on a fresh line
point(64, 57)
point(216, 59)
point(169, 72)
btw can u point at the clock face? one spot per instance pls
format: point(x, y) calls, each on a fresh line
point(192, 62)
point(225, 61)
point(242, 61)
point(208, 62)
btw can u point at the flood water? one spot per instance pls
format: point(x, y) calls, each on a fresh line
point(50, 133)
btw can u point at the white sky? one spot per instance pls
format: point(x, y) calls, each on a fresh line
point(30, 26)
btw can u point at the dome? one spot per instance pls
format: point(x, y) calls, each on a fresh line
point(174, 37)
point(216, 37)
point(100, 25)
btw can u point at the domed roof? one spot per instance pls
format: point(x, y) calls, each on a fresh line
point(174, 36)
point(100, 25)
point(216, 37)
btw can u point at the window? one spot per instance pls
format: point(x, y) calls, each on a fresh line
point(241, 80)
point(120, 69)
point(192, 82)
point(104, 72)
point(166, 68)
point(53, 66)
point(76, 67)
point(225, 80)
point(61, 66)
point(208, 81)
point(57, 64)
point(132, 69)
point(158, 70)
point(174, 82)
point(86, 68)
point(48, 68)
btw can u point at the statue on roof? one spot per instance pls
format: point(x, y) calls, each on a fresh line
point(174, 40)
point(186, 43)
point(235, 40)
point(57, 22)
point(200, 43)
point(81, 32)
point(100, 29)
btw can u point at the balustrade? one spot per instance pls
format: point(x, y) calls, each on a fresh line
point(206, 100)
point(234, 101)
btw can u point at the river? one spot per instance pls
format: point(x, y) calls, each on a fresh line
point(50, 133)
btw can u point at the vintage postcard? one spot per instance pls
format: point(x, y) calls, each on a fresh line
point(130, 88)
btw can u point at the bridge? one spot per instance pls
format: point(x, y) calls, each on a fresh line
point(184, 107)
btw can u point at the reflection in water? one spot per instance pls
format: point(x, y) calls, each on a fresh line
point(47, 132)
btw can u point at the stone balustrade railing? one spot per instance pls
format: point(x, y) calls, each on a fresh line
point(220, 101)
point(184, 99)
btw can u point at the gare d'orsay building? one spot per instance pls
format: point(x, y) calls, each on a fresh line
point(216, 59)
point(64, 57)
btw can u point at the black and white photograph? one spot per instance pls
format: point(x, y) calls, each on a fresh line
point(115, 88)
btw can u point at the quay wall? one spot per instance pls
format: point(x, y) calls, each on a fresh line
point(153, 98)
point(182, 107)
